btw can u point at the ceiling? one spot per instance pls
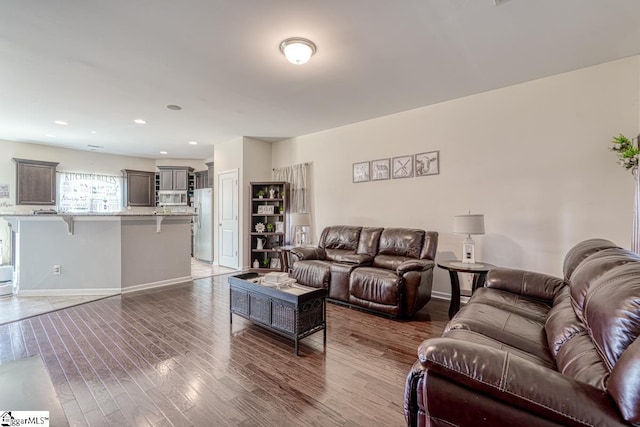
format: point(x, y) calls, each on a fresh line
point(98, 65)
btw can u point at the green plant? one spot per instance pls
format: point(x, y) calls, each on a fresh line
point(627, 152)
point(266, 261)
point(269, 227)
point(281, 209)
point(260, 193)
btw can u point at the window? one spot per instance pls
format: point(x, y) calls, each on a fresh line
point(85, 192)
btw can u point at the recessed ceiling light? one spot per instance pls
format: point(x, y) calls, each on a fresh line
point(193, 142)
point(163, 152)
point(140, 121)
point(93, 131)
point(50, 135)
point(61, 123)
point(174, 107)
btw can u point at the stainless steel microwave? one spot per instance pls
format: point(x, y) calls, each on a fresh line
point(172, 198)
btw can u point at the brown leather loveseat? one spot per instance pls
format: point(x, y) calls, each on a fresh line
point(385, 270)
point(532, 349)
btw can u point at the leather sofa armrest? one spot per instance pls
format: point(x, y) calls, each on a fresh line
point(414, 265)
point(518, 382)
point(303, 253)
point(526, 283)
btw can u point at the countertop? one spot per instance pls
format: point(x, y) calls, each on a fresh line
point(109, 214)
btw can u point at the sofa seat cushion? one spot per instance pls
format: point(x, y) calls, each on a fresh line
point(509, 328)
point(313, 273)
point(513, 303)
point(472, 336)
point(376, 288)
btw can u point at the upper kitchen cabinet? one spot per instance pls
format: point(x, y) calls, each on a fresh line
point(174, 177)
point(139, 188)
point(209, 174)
point(201, 179)
point(35, 182)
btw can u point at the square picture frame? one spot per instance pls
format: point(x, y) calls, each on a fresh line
point(427, 163)
point(265, 210)
point(380, 169)
point(402, 167)
point(274, 264)
point(361, 172)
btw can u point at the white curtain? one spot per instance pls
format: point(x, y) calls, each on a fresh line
point(635, 238)
point(296, 176)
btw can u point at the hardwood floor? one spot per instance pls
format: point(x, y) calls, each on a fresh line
point(170, 357)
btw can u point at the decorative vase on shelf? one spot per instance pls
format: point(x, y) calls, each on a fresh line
point(272, 194)
point(256, 264)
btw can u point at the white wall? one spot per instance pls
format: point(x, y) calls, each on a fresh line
point(256, 167)
point(228, 157)
point(533, 158)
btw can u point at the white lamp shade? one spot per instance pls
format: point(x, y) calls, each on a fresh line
point(468, 224)
point(300, 220)
point(297, 50)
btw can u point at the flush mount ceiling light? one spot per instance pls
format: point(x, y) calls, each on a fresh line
point(61, 123)
point(140, 121)
point(163, 152)
point(193, 142)
point(297, 50)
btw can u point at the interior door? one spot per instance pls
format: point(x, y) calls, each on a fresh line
point(228, 219)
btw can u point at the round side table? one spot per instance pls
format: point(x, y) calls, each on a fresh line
point(479, 271)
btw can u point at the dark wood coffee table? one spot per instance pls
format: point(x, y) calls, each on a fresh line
point(295, 312)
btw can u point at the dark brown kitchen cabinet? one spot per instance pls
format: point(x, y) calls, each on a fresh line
point(139, 188)
point(174, 178)
point(202, 179)
point(209, 174)
point(35, 182)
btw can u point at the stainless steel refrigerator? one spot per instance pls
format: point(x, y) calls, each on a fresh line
point(203, 224)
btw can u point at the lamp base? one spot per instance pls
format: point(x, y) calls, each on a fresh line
point(468, 250)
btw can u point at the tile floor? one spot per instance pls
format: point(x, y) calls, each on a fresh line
point(14, 308)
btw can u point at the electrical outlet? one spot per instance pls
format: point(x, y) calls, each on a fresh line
point(56, 269)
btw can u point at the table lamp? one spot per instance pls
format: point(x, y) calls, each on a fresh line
point(298, 221)
point(468, 224)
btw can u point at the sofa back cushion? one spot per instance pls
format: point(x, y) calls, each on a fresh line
point(582, 250)
point(344, 237)
point(369, 240)
point(612, 317)
point(403, 242)
point(591, 269)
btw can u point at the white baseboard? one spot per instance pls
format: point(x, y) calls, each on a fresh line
point(152, 285)
point(447, 296)
point(67, 292)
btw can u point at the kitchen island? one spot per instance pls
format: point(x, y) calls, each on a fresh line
point(97, 254)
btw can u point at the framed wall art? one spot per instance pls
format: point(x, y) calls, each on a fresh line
point(427, 163)
point(279, 227)
point(265, 210)
point(361, 172)
point(380, 169)
point(402, 167)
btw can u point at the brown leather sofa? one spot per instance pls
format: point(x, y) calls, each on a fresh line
point(532, 349)
point(385, 270)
